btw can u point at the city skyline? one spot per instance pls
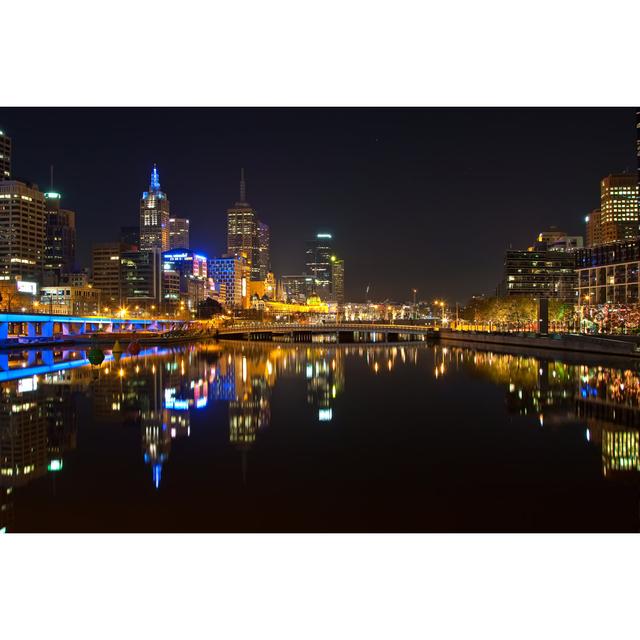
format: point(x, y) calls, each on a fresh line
point(356, 170)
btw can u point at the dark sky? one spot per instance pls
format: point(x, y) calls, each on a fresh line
point(427, 198)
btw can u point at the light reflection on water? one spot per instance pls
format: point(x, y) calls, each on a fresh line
point(162, 392)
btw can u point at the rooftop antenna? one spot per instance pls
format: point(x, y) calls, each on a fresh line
point(243, 186)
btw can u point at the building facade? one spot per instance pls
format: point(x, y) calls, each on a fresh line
point(178, 233)
point(617, 219)
point(191, 270)
point(5, 156)
point(105, 274)
point(22, 231)
point(60, 240)
point(540, 273)
point(232, 273)
point(296, 288)
point(141, 276)
point(247, 236)
point(154, 216)
point(608, 274)
point(69, 300)
point(337, 279)
point(318, 264)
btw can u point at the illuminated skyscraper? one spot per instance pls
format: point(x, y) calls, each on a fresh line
point(22, 230)
point(60, 240)
point(154, 216)
point(178, 233)
point(337, 279)
point(5, 156)
point(618, 217)
point(247, 236)
point(318, 264)
point(263, 253)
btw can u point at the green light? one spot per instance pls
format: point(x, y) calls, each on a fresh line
point(4, 529)
point(55, 465)
point(52, 195)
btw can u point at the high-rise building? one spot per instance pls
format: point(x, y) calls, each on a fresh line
point(60, 240)
point(296, 288)
point(105, 273)
point(540, 273)
point(154, 216)
point(594, 228)
point(5, 156)
point(141, 273)
point(232, 273)
point(247, 236)
point(264, 254)
point(619, 205)
point(178, 233)
point(22, 231)
point(318, 264)
point(337, 279)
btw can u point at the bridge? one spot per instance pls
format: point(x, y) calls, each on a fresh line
point(47, 326)
point(334, 332)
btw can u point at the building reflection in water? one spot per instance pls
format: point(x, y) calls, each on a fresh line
point(158, 392)
point(605, 399)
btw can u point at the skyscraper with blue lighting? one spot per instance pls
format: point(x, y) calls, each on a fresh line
point(154, 216)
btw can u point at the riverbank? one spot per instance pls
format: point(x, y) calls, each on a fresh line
point(626, 346)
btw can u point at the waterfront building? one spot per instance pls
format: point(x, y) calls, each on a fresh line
point(178, 233)
point(60, 240)
point(5, 156)
point(154, 216)
point(540, 273)
point(608, 273)
point(318, 264)
point(69, 300)
point(296, 288)
point(337, 279)
point(618, 215)
point(233, 272)
point(105, 273)
point(77, 278)
point(22, 231)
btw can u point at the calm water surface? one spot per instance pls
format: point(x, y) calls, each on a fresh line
point(245, 437)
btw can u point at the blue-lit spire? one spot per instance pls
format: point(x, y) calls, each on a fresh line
point(155, 180)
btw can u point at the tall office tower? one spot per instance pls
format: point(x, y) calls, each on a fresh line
point(594, 228)
point(318, 264)
point(22, 229)
point(105, 274)
point(60, 240)
point(141, 273)
point(154, 216)
point(619, 207)
point(130, 236)
point(243, 232)
point(337, 279)
point(178, 233)
point(5, 156)
point(263, 257)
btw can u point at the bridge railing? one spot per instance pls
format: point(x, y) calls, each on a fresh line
point(319, 328)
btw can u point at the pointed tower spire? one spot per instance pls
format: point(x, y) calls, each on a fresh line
point(243, 186)
point(155, 179)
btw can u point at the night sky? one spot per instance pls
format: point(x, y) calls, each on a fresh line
point(426, 198)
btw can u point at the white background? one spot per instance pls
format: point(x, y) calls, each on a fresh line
point(326, 53)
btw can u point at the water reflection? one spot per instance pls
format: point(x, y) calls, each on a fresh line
point(161, 391)
point(605, 399)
